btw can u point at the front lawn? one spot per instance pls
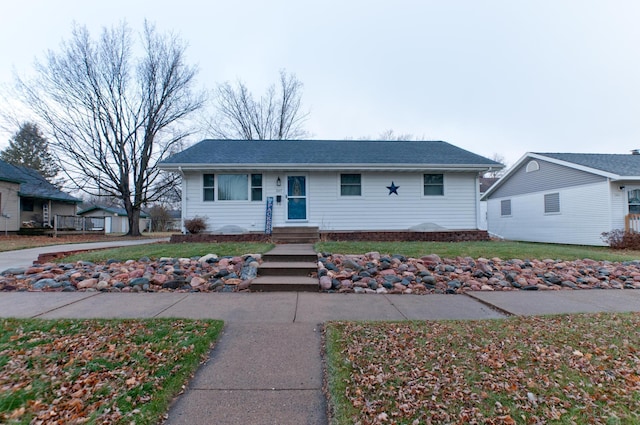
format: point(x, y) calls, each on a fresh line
point(567, 369)
point(97, 371)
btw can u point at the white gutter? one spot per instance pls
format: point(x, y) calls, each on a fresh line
point(326, 167)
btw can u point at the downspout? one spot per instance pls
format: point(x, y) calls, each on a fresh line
point(183, 201)
point(477, 200)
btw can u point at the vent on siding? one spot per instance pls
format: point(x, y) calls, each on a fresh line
point(552, 203)
point(505, 207)
point(532, 166)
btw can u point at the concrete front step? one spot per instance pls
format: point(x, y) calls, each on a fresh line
point(287, 268)
point(293, 235)
point(285, 283)
point(291, 258)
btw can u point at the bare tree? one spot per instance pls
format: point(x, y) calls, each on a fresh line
point(277, 115)
point(113, 116)
point(390, 135)
point(497, 173)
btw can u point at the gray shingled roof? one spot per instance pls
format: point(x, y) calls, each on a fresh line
point(32, 183)
point(326, 152)
point(619, 164)
point(112, 210)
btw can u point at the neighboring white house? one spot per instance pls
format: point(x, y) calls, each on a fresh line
point(116, 219)
point(346, 185)
point(569, 198)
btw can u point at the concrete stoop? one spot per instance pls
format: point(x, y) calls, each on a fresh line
point(288, 268)
point(295, 235)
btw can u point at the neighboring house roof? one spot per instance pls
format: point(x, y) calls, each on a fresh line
point(612, 166)
point(33, 184)
point(120, 212)
point(618, 164)
point(327, 154)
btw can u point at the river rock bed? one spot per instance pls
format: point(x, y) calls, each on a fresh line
point(369, 273)
point(376, 273)
point(203, 274)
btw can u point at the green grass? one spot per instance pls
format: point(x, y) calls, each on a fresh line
point(488, 249)
point(563, 369)
point(173, 250)
point(101, 371)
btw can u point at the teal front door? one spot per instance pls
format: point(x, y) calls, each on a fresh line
point(296, 198)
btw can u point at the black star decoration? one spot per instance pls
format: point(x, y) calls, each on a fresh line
point(393, 188)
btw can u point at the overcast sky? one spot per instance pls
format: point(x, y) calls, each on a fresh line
point(490, 76)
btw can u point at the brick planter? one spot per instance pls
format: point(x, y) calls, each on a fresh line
point(394, 236)
point(366, 236)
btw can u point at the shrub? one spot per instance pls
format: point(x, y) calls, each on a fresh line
point(195, 225)
point(620, 239)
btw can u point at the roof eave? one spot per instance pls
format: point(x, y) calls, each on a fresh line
point(331, 167)
point(49, 198)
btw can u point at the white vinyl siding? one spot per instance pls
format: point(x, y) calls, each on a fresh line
point(585, 215)
point(375, 209)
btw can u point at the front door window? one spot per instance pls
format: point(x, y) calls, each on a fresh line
point(296, 198)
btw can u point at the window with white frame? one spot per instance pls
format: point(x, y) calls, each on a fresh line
point(433, 185)
point(232, 187)
point(505, 207)
point(208, 187)
point(350, 184)
point(552, 203)
point(256, 187)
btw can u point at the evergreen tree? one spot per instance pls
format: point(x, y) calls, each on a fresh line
point(29, 148)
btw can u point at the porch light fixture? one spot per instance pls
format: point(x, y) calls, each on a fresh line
point(278, 182)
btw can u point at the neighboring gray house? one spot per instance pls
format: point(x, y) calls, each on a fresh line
point(27, 199)
point(569, 198)
point(116, 219)
point(337, 185)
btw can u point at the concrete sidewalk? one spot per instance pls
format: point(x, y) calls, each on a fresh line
point(267, 367)
point(26, 257)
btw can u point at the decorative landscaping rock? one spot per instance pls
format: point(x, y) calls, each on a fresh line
point(433, 274)
point(363, 274)
point(144, 275)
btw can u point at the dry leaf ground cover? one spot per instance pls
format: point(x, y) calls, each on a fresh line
point(567, 369)
point(97, 371)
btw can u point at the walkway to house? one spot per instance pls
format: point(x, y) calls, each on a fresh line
point(267, 366)
point(26, 257)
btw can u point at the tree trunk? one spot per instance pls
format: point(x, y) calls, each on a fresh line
point(133, 215)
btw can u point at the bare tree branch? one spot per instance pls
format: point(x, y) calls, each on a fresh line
point(114, 116)
point(277, 115)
